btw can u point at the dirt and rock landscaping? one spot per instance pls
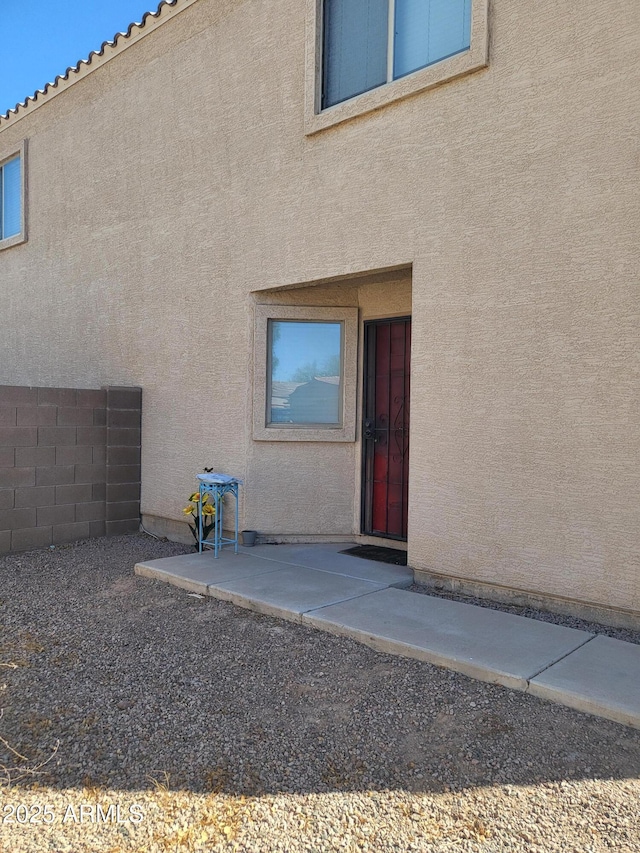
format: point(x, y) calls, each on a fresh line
point(138, 717)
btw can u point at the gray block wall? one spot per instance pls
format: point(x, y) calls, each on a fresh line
point(69, 464)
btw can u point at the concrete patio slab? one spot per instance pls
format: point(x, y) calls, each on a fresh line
point(486, 644)
point(291, 591)
point(327, 558)
point(602, 678)
point(195, 572)
point(313, 584)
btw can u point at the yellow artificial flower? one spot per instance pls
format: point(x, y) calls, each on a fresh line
point(207, 509)
point(195, 497)
point(188, 510)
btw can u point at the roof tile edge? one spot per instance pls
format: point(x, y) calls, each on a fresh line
point(166, 10)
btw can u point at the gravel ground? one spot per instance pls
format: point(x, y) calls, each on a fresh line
point(187, 724)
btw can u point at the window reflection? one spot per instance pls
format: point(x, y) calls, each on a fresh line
point(305, 372)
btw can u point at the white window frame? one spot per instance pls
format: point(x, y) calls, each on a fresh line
point(264, 431)
point(458, 65)
point(21, 152)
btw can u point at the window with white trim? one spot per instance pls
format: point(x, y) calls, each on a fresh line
point(367, 43)
point(12, 198)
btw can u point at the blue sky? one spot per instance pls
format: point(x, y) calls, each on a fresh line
point(40, 39)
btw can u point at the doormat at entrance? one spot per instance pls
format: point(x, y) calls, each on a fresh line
point(375, 552)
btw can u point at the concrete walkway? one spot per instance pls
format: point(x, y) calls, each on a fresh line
point(351, 597)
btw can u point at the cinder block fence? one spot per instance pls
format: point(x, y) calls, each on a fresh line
point(69, 464)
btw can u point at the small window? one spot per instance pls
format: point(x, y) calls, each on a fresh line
point(305, 373)
point(12, 198)
point(371, 42)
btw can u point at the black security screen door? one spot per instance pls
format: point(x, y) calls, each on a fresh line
point(385, 432)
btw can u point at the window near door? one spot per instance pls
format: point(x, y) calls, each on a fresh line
point(12, 219)
point(371, 42)
point(363, 54)
point(305, 380)
point(305, 373)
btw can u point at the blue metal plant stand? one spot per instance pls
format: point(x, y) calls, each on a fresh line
point(217, 486)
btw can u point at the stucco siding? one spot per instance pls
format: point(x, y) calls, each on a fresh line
point(175, 186)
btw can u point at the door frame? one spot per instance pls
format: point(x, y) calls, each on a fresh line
point(366, 481)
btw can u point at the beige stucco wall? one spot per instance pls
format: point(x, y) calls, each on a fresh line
point(172, 185)
point(314, 488)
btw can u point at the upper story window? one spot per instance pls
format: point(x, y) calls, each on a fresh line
point(364, 54)
point(371, 42)
point(12, 199)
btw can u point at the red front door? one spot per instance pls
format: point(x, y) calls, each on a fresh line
point(385, 433)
